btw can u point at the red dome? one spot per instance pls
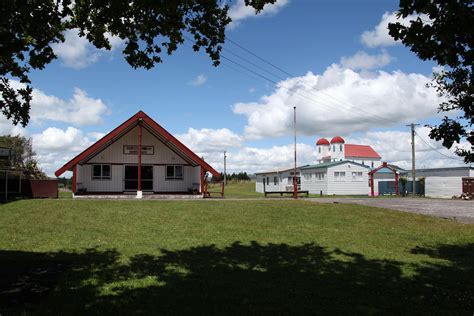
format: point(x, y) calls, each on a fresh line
point(337, 140)
point(322, 141)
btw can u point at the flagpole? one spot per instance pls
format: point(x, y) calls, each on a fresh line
point(295, 183)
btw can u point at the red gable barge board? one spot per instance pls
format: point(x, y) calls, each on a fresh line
point(154, 127)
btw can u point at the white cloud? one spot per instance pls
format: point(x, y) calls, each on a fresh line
point(7, 127)
point(96, 135)
point(210, 140)
point(79, 110)
point(395, 148)
point(363, 61)
point(379, 35)
point(251, 159)
point(55, 146)
point(198, 81)
point(239, 11)
point(339, 101)
point(76, 51)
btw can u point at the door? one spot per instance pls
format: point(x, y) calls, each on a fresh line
point(131, 178)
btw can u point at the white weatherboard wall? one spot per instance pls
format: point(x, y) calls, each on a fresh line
point(115, 184)
point(114, 153)
point(310, 182)
point(281, 181)
point(114, 156)
point(191, 176)
point(443, 187)
point(348, 186)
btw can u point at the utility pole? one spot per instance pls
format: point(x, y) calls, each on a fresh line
point(225, 167)
point(295, 183)
point(412, 126)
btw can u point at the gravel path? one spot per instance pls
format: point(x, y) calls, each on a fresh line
point(459, 210)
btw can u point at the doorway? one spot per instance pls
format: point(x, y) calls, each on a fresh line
point(131, 178)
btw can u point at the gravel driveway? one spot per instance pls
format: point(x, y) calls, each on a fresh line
point(459, 210)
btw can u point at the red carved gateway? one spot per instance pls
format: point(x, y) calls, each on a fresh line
point(117, 162)
point(386, 166)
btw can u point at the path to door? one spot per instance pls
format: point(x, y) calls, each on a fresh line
point(460, 210)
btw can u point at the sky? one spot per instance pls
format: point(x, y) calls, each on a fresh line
point(333, 60)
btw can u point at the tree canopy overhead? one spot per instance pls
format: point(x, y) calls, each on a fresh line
point(149, 28)
point(444, 32)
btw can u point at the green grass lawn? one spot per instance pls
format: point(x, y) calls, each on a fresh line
point(229, 257)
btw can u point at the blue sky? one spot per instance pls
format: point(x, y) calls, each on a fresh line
point(338, 48)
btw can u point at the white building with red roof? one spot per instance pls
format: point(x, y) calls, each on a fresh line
point(338, 150)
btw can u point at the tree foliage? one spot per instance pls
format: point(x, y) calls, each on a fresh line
point(443, 32)
point(21, 157)
point(28, 28)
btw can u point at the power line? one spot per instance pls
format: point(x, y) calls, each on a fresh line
point(351, 106)
point(348, 108)
point(435, 149)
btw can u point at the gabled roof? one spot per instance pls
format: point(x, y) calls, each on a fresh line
point(360, 151)
point(332, 164)
point(153, 127)
point(281, 170)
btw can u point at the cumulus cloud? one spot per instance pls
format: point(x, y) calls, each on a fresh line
point(198, 81)
point(79, 110)
point(210, 140)
point(395, 148)
point(7, 127)
point(339, 101)
point(239, 11)
point(363, 61)
point(252, 159)
point(76, 51)
point(55, 146)
point(379, 37)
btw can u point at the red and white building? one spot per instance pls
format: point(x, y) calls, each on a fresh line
point(341, 169)
point(338, 150)
point(137, 157)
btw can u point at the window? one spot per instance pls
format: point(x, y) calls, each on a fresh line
point(319, 176)
point(174, 172)
point(275, 180)
point(268, 180)
point(101, 172)
point(334, 148)
point(339, 176)
point(363, 162)
point(319, 149)
point(357, 176)
point(340, 148)
point(372, 164)
point(307, 176)
point(133, 150)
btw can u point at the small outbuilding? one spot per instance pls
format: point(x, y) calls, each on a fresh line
point(446, 182)
point(139, 156)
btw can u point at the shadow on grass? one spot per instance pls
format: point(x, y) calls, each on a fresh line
point(238, 279)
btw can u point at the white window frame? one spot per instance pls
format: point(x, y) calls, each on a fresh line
point(340, 176)
point(101, 177)
point(174, 176)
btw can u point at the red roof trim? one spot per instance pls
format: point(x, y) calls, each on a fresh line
point(121, 128)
